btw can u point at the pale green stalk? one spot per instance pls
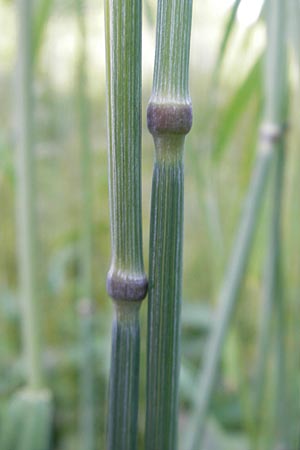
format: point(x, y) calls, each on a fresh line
point(169, 120)
point(272, 299)
point(276, 36)
point(87, 420)
point(126, 281)
point(27, 423)
point(282, 424)
point(86, 165)
point(26, 198)
point(87, 381)
point(270, 136)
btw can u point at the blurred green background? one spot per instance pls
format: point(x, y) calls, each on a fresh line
point(218, 162)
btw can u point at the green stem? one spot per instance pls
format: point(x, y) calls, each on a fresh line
point(126, 280)
point(169, 120)
point(124, 377)
point(165, 273)
point(85, 152)
point(270, 137)
point(26, 201)
point(282, 413)
point(123, 43)
point(87, 378)
point(227, 301)
point(271, 291)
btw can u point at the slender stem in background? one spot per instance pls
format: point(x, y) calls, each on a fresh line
point(269, 143)
point(272, 297)
point(26, 197)
point(87, 381)
point(169, 120)
point(126, 280)
point(85, 152)
point(87, 420)
point(282, 412)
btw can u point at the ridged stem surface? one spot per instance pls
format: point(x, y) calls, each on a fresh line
point(26, 197)
point(165, 273)
point(123, 44)
point(124, 377)
point(169, 120)
point(126, 280)
point(271, 133)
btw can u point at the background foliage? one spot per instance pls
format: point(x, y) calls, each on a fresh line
point(218, 161)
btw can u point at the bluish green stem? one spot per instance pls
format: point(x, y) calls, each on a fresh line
point(126, 280)
point(169, 120)
point(124, 377)
point(123, 44)
point(165, 273)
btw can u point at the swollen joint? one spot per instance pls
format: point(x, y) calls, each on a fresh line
point(272, 133)
point(126, 288)
point(172, 119)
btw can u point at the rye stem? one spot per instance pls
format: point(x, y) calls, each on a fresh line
point(126, 280)
point(169, 120)
point(272, 295)
point(271, 134)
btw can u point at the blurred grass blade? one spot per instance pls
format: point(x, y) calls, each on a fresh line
point(250, 86)
point(227, 300)
point(87, 420)
point(28, 419)
point(272, 302)
point(293, 28)
point(271, 135)
point(229, 26)
point(39, 25)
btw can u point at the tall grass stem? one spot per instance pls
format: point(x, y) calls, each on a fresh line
point(126, 280)
point(169, 120)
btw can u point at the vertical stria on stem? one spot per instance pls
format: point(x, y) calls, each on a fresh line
point(169, 120)
point(126, 280)
point(271, 134)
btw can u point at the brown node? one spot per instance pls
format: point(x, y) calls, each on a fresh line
point(169, 118)
point(126, 289)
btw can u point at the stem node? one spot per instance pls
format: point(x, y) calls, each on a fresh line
point(170, 118)
point(126, 288)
